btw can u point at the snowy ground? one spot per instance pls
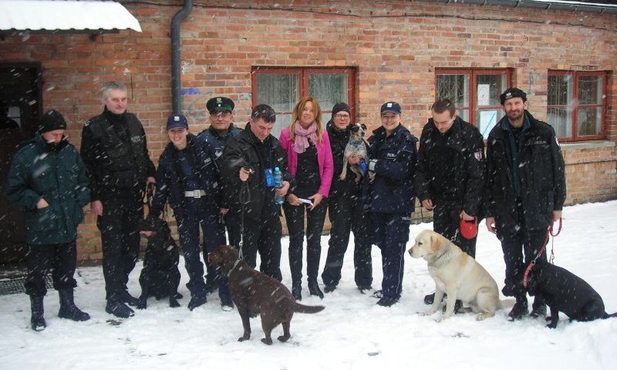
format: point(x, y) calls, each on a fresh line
point(352, 333)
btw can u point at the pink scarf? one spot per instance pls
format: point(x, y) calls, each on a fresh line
point(302, 136)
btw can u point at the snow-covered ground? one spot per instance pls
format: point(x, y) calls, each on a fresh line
point(351, 333)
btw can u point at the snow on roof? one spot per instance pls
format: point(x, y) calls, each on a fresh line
point(65, 15)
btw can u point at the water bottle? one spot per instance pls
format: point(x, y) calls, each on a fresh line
point(363, 166)
point(278, 183)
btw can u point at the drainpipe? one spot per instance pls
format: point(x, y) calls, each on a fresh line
point(176, 67)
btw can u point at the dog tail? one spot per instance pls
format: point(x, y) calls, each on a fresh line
point(300, 308)
point(608, 316)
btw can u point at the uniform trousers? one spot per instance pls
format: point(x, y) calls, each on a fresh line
point(446, 221)
point(61, 259)
point(119, 227)
point(198, 213)
point(391, 236)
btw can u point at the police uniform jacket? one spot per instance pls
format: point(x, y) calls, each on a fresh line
point(57, 176)
point(450, 167)
point(170, 178)
point(542, 184)
point(247, 151)
point(396, 158)
point(115, 152)
point(218, 141)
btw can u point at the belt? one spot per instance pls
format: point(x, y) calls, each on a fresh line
point(194, 194)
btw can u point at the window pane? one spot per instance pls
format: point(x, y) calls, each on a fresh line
point(589, 121)
point(590, 89)
point(281, 92)
point(559, 90)
point(455, 88)
point(486, 119)
point(489, 87)
point(328, 89)
point(561, 121)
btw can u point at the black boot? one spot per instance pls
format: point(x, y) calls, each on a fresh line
point(37, 321)
point(314, 289)
point(519, 310)
point(68, 310)
point(538, 308)
point(296, 291)
point(118, 309)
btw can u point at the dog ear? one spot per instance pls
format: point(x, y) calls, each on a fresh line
point(363, 126)
point(436, 243)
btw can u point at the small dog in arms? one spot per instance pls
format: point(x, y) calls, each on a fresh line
point(355, 147)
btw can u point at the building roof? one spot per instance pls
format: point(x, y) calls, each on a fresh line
point(54, 15)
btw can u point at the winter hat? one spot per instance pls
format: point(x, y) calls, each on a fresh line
point(177, 121)
point(512, 92)
point(51, 120)
point(340, 107)
point(469, 229)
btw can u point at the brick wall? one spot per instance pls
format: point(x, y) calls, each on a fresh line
point(395, 45)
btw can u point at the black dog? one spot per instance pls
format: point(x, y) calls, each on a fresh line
point(563, 291)
point(159, 276)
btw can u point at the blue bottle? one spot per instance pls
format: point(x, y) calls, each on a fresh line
point(278, 183)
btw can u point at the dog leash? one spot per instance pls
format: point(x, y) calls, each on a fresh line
point(244, 197)
point(549, 231)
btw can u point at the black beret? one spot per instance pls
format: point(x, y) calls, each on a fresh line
point(512, 92)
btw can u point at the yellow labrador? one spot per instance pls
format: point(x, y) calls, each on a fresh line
point(456, 274)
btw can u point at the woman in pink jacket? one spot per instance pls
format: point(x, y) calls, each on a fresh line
point(309, 158)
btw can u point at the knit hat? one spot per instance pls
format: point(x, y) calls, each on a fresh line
point(512, 92)
point(340, 107)
point(51, 120)
point(177, 121)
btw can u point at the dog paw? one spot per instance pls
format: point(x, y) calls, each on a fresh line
point(267, 341)
point(283, 338)
point(174, 303)
point(243, 338)
point(142, 305)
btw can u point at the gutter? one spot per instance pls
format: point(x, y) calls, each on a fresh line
point(574, 6)
point(176, 67)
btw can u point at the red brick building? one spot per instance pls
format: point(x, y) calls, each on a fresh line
point(362, 52)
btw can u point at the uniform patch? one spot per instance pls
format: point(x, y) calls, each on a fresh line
point(478, 155)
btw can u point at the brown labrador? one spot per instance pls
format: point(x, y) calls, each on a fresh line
point(257, 294)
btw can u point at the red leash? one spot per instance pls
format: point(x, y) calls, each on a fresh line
point(551, 259)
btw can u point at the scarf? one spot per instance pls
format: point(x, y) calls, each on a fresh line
point(302, 136)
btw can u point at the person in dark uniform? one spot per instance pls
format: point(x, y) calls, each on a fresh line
point(221, 131)
point(188, 178)
point(393, 158)
point(115, 151)
point(346, 210)
point(449, 176)
point(49, 180)
point(525, 192)
point(247, 169)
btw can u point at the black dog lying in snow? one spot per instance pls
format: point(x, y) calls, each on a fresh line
point(563, 291)
point(159, 276)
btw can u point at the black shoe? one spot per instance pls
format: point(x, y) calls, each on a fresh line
point(387, 301)
point(211, 287)
point(457, 306)
point(197, 301)
point(365, 289)
point(119, 309)
point(378, 294)
point(129, 299)
point(518, 311)
point(226, 303)
point(329, 288)
point(314, 289)
point(296, 291)
point(537, 310)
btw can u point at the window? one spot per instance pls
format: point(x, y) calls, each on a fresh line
point(282, 88)
point(475, 92)
point(576, 104)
